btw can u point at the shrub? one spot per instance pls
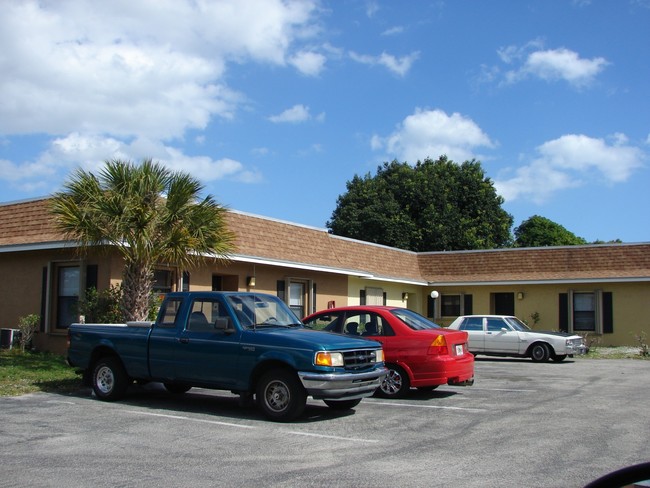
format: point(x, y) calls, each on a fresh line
point(27, 326)
point(102, 306)
point(643, 344)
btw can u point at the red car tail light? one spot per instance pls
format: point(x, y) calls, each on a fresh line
point(439, 346)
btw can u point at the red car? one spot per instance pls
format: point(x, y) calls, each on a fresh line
point(417, 352)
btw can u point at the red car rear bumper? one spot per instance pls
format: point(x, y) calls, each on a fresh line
point(443, 370)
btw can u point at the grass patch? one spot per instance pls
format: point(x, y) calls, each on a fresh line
point(30, 372)
point(614, 353)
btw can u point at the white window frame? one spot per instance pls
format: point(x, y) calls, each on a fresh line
point(598, 311)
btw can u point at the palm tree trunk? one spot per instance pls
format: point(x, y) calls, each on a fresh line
point(137, 287)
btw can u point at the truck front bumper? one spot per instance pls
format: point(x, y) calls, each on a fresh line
point(342, 386)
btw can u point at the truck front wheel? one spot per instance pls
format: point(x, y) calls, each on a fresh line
point(280, 395)
point(109, 379)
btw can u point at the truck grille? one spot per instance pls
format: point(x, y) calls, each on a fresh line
point(359, 359)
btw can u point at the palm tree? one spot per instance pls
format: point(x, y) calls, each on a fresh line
point(150, 215)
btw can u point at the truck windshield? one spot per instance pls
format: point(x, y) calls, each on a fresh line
point(260, 310)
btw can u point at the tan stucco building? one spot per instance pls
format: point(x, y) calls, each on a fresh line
point(599, 290)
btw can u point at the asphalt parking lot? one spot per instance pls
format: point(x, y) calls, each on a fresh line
point(521, 424)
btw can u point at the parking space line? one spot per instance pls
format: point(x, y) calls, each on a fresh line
point(182, 417)
point(335, 437)
point(506, 389)
point(465, 409)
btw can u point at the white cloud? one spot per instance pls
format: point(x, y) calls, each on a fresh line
point(145, 68)
point(531, 60)
point(120, 78)
point(399, 66)
point(562, 64)
point(308, 62)
point(372, 7)
point(296, 114)
point(398, 29)
point(433, 133)
point(570, 161)
point(89, 152)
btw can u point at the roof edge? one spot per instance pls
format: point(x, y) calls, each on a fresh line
point(577, 281)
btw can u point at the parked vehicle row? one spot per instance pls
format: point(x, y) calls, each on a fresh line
point(253, 344)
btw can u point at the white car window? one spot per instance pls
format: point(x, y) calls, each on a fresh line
point(494, 324)
point(472, 323)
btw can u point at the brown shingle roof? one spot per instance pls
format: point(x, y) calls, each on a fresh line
point(594, 262)
point(29, 223)
point(284, 241)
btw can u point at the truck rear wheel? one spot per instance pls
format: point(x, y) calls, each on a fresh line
point(280, 395)
point(109, 379)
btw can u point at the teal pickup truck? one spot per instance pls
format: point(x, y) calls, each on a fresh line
point(249, 343)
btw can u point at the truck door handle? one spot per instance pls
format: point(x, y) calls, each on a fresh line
point(184, 340)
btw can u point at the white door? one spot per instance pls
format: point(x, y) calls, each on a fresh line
point(499, 340)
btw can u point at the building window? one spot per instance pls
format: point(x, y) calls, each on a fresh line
point(67, 296)
point(450, 306)
point(375, 296)
point(297, 298)
point(584, 312)
point(162, 281)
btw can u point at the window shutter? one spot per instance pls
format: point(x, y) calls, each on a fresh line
point(563, 319)
point(313, 297)
point(608, 313)
point(384, 298)
point(468, 305)
point(91, 276)
point(216, 283)
point(186, 281)
point(431, 302)
point(362, 297)
point(43, 298)
point(279, 287)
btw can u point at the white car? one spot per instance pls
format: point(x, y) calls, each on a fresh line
point(503, 335)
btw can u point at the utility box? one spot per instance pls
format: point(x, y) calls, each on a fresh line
point(9, 338)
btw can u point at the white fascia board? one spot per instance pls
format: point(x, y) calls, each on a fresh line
point(541, 282)
point(42, 246)
point(398, 280)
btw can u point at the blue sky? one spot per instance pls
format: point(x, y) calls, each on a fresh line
point(274, 105)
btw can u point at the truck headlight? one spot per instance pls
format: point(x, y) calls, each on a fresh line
point(324, 358)
point(379, 356)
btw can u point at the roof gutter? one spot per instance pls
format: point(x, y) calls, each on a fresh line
point(636, 279)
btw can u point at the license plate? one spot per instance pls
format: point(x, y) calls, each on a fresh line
point(459, 349)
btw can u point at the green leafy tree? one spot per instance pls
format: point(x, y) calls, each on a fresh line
point(539, 232)
point(150, 215)
point(432, 206)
